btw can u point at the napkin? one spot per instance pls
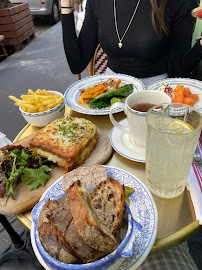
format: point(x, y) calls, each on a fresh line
point(194, 185)
point(4, 140)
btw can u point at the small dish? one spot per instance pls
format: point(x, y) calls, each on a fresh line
point(195, 87)
point(41, 119)
point(72, 93)
point(122, 144)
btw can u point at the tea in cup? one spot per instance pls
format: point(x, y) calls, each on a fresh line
point(135, 107)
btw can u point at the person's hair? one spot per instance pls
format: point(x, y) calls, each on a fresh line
point(157, 16)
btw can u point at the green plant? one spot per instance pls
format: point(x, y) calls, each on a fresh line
point(5, 4)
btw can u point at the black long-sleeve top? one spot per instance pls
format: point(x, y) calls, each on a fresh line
point(143, 54)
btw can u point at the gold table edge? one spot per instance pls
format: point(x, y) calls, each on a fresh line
point(20, 133)
point(159, 245)
point(181, 236)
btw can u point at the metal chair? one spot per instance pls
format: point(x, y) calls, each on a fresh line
point(2, 46)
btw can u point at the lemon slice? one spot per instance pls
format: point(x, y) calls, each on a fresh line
point(180, 127)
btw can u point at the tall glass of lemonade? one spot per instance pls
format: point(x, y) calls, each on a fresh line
point(173, 132)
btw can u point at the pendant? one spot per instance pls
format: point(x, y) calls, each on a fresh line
point(120, 45)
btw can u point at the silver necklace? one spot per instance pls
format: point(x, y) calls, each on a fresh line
point(120, 44)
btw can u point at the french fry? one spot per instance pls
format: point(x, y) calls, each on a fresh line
point(38, 101)
point(22, 102)
point(25, 109)
point(42, 109)
point(46, 102)
point(25, 105)
point(59, 99)
point(30, 92)
point(14, 98)
point(49, 106)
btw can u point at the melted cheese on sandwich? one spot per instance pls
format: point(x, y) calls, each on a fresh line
point(66, 141)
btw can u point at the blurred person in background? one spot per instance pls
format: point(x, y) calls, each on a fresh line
point(149, 40)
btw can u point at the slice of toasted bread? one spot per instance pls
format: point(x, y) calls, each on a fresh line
point(91, 230)
point(89, 176)
point(59, 236)
point(84, 251)
point(51, 237)
point(108, 198)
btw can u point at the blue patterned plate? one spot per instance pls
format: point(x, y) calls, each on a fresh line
point(195, 87)
point(72, 93)
point(143, 211)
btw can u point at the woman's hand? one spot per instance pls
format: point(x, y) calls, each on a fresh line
point(67, 6)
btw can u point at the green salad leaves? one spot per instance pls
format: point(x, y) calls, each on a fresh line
point(35, 177)
point(22, 164)
point(108, 98)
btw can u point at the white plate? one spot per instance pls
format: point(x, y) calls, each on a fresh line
point(122, 144)
point(72, 93)
point(142, 206)
point(195, 87)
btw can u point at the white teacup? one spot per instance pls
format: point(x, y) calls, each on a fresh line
point(136, 117)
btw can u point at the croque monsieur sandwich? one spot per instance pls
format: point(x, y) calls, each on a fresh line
point(67, 141)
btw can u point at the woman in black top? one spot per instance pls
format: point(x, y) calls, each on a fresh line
point(157, 41)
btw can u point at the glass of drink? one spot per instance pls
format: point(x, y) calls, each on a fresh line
point(173, 132)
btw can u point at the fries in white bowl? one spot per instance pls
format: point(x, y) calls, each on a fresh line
point(39, 101)
point(41, 107)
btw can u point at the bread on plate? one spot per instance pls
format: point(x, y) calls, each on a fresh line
point(91, 230)
point(81, 226)
point(108, 198)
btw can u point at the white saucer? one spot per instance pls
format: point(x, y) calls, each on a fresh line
point(122, 144)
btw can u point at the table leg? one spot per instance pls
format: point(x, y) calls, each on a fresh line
point(21, 248)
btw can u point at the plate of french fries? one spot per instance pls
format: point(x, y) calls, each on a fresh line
point(38, 101)
point(40, 107)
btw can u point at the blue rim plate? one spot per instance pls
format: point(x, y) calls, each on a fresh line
point(71, 95)
point(195, 87)
point(143, 209)
point(122, 144)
